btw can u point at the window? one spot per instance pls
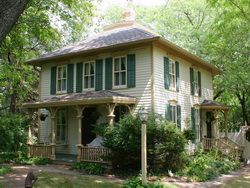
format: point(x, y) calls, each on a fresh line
point(172, 76)
point(61, 79)
point(197, 122)
point(89, 75)
point(61, 126)
point(173, 113)
point(196, 83)
point(120, 71)
point(119, 112)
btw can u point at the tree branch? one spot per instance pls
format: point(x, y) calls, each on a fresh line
point(241, 9)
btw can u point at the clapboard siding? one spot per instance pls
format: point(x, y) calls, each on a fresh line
point(183, 97)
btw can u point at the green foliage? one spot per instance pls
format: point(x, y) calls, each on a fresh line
point(204, 167)
point(91, 168)
point(13, 133)
point(4, 170)
point(137, 183)
point(165, 144)
point(7, 157)
point(189, 134)
point(38, 161)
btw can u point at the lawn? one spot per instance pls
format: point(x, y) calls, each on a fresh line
point(49, 179)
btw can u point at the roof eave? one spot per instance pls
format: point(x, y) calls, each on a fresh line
point(215, 70)
point(38, 62)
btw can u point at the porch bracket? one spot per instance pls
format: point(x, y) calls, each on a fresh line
point(131, 108)
point(111, 116)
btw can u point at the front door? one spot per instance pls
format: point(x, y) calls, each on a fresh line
point(87, 122)
point(209, 124)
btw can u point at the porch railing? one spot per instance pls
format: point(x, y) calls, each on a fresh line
point(94, 154)
point(209, 143)
point(39, 150)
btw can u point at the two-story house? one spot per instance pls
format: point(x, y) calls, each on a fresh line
point(120, 70)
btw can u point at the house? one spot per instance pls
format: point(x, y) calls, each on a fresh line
point(120, 70)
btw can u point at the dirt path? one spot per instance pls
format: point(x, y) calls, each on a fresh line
point(19, 173)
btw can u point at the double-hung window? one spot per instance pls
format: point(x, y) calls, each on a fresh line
point(197, 123)
point(89, 75)
point(173, 113)
point(196, 83)
point(120, 71)
point(61, 126)
point(61, 79)
point(172, 74)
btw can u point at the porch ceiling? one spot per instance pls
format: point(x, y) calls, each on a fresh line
point(84, 98)
point(213, 105)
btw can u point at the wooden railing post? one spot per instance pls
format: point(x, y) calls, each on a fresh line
point(236, 153)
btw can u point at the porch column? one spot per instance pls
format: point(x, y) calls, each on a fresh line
point(30, 117)
point(217, 123)
point(53, 112)
point(111, 116)
point(225, 123)
point(79, 117)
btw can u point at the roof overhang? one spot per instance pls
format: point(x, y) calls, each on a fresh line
point(212, 105)
point(68, 100)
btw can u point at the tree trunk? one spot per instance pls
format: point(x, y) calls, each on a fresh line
point(243, 106)
point(10, 10)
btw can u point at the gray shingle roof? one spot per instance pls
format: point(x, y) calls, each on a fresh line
point(84, 96)
point(104, 39)
point(212, 103)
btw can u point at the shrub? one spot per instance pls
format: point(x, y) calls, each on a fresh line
point(137, 183)
point(4, 170)
point(13, 133)
point(165, 144)
point(91, 168)
point(39, 161)
point(7, 157)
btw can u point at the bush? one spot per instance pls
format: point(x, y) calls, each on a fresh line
point(137, 183)
point(91, 168)
point(13, 133)
point(7, 157)
point(38, 161)
point(4, 170)
point(165, 144)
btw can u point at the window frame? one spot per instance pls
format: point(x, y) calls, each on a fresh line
point(196, 83)
point(197, 123)
point(172, 75)
point(89, 76)
point(114, 71)
point(59, 141)
point(173, 113)
point(57, 79)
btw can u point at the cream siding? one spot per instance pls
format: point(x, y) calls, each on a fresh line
point(183, 97)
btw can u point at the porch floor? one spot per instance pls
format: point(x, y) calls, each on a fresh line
point(66, 157)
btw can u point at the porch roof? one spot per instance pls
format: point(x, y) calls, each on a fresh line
point(84, 98)
point(213, 105)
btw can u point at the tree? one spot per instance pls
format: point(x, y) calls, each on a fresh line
point(10, 10)
point(43, 27)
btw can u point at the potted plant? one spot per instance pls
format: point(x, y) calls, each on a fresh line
point(43, 116)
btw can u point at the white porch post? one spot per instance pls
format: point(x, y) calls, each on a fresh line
point(111, 116)
point(225, 123)
point(79, 116)
point(217, 123)
point(31, 113)
point(53, 112)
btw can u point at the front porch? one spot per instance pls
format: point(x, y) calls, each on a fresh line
point(79, 107)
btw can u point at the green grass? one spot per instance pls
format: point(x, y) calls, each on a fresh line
point(50, 180)
point(4, 170)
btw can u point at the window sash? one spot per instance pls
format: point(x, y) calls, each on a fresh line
point(61, 79)
point(89, 75)
point(172, 74)
point(61, 125)
point(173, 113)
point(120, 71)
point(196, 83)
point(197, 122)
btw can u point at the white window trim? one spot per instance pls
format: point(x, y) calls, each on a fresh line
point(83, 74)
point(62, 91)
point(113, 73)
point(197, 120)
point(170, 75)
point(66, 128)
point(196, 83)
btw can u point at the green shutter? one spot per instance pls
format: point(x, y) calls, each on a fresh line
point(199, 82)
point(168, 112)
point(131, 70)
point(179, 116)
point(79, 77)
point(98, 77)
point(166, 73)
point(53, 81)
point(193, 122)
point(201, 124)
point(70, 78)
point(108, 73)
point(192, 80)
point(177, 76)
